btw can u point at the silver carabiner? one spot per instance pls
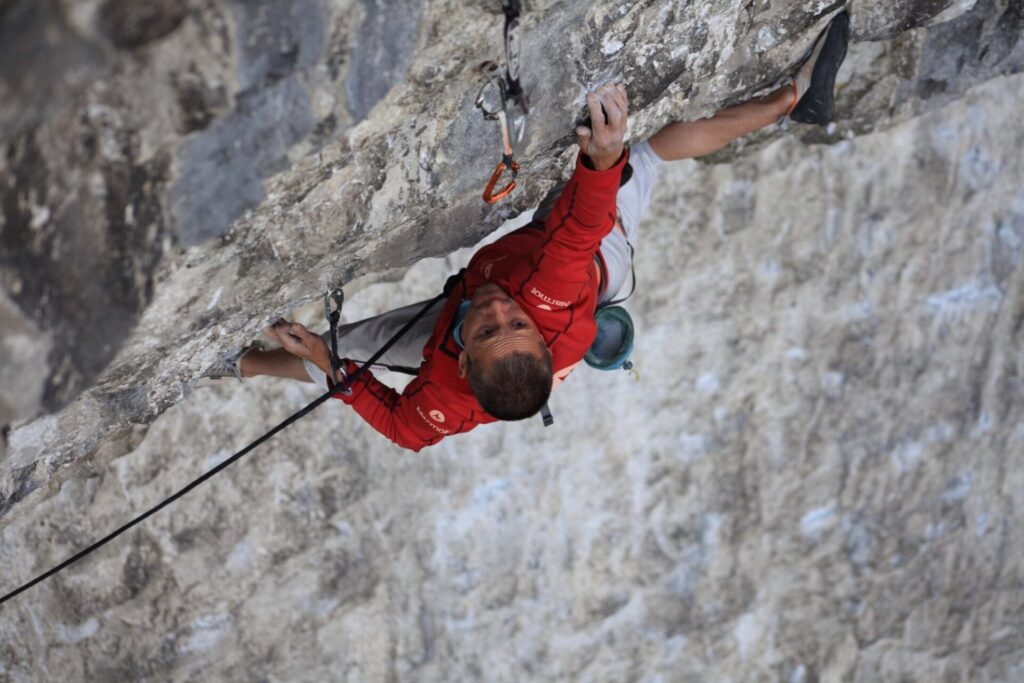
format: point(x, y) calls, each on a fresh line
point(492, 97)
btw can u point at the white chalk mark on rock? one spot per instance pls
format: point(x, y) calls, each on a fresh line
point(215, 299)
point(76, 633)
point(815, 522)
point(966, 297)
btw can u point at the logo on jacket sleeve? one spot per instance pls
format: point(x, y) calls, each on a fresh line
point(435, 415)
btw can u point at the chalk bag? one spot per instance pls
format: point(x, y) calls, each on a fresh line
point(614, 340)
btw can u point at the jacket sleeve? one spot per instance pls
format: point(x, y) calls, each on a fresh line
point(411, 419)
point(583, 216)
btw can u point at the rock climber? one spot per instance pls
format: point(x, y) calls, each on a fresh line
point(522, 316)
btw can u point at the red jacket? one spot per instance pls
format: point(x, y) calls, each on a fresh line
point(551, 273)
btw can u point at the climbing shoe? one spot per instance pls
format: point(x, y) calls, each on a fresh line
point(227, 367)
point(815, 81)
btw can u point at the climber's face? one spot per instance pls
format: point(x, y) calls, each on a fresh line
point(496, 326)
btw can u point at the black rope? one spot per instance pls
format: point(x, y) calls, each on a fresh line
point(337, 388)
point(403, 369)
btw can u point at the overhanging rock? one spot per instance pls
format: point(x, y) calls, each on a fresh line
point(168, 192)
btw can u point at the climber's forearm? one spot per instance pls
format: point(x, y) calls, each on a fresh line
point(691, 139)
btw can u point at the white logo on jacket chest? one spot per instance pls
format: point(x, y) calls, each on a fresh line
point(547, 299)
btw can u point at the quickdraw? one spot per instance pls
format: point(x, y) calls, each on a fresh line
point(512, 54)
point(492, 102)
point(333, 314)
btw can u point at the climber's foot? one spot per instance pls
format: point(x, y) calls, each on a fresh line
point(227, 368)
point(815, 81)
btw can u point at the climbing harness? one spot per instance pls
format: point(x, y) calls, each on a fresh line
point(336, 388)
point(492, 101)
point(632, 277)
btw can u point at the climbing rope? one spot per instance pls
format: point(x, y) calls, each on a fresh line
point(338, 388)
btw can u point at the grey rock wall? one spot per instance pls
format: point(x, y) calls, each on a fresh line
point(812, 480)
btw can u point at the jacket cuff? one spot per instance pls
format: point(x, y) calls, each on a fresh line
point(596, 190)
point(589, 163)
point(348, 367)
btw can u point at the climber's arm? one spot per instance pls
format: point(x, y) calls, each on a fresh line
point(585, 212)
point(408, 419)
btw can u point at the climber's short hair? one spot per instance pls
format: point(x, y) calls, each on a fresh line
point(513, 387)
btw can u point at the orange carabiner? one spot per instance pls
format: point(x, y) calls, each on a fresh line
point(490, 196)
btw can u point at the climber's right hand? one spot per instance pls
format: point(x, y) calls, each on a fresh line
point(604, 142)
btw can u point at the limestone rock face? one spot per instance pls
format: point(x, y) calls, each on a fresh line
point(812, 479)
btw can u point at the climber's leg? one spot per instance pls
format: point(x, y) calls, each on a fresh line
point(690, 139)
point(356, 341)
point(360, 340)
point(273, 363)
point(808, 98)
